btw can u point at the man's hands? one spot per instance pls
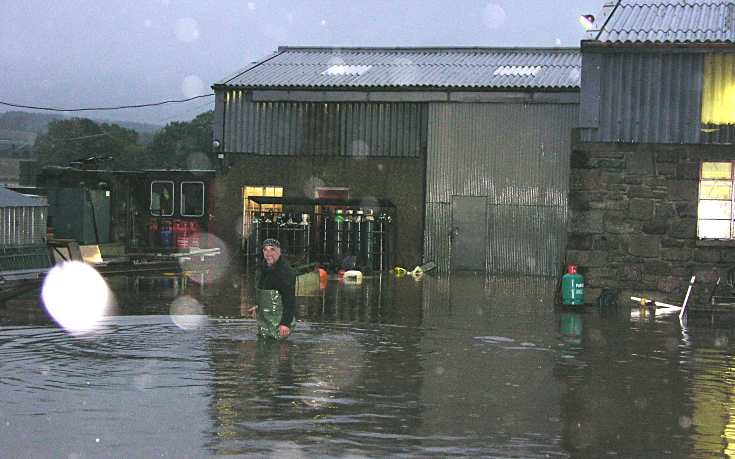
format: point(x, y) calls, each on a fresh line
point(247, 311)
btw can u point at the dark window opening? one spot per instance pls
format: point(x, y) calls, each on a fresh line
point(192, 199)
point(162, 198)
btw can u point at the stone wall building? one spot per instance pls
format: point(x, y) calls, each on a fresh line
point(651, 182)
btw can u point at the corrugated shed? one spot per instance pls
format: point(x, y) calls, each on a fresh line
point(642, 97)
point(518, 156)
point(22, 225)
point(325, 129)
point(413, 67)
point(669, 21)
point(437, 243)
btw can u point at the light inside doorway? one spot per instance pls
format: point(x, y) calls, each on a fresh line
point(251, 208)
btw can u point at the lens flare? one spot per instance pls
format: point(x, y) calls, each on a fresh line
point(192, 86)
point(494, 16)
point(187, 313)
point(76, 296)
point(187, 30)
point(216, 266)
point(198, 160)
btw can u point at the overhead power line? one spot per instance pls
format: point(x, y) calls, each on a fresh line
point(119, 107)
point(186, 111)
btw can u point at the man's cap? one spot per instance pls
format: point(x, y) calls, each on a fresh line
point(271, 242)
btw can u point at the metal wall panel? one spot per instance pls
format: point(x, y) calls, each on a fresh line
point(515, 154)
point(526, 239)
point(22, 226)
point(323, 129)
point(437, 245)
point(645, 97)
point(512, 153)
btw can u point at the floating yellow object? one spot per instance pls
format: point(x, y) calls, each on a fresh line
point(399, 272)
point(352, 276)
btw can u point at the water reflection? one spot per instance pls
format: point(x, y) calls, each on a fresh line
point(444, 366)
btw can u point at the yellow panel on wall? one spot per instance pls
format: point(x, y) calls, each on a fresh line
point(718, 89)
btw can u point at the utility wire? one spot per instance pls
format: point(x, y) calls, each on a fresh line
point(119, 107)
point(198, 107)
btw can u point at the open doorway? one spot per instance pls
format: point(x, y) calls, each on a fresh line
point(250, 208)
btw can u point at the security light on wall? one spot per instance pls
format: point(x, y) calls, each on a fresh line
point(587, 21)
point(216, 144)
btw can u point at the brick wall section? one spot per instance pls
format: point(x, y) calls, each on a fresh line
point(633, 221)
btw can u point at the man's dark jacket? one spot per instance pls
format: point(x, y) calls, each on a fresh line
point(281, 277)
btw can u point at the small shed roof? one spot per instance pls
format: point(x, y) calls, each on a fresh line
point(668, 21)
point(420, 68)
point(9, 198)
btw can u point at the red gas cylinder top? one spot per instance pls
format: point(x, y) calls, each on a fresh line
point(572, 269)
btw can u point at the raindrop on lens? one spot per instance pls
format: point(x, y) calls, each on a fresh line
point(187, 30)
point(187, 313)
point(76, 296)
point(493, 16)
point(192, 86)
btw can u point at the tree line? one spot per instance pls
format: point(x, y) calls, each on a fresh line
point(79, 141)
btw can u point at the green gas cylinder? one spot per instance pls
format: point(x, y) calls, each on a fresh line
point(572, 287)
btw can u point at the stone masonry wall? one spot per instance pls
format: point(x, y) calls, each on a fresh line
point(633, 221)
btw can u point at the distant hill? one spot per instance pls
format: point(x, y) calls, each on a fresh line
point(141, 128)
point(27, 122)
point(17, 137)
point(37, 123)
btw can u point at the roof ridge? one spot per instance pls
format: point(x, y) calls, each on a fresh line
point(427, 48)
point(685, 3)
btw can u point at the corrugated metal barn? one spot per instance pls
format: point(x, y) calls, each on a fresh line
point(471, 144)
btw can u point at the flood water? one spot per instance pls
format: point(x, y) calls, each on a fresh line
point(442, 366)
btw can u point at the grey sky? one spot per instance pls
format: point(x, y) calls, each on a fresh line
point(91, 53)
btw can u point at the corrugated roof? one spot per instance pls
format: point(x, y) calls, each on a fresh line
point(669, 21)
point(9, 198)
point(346, 68)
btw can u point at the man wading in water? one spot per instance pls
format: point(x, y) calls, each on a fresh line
point(275, 294)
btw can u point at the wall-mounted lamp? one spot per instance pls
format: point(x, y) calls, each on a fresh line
point(587, 21)
point(216, 144)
